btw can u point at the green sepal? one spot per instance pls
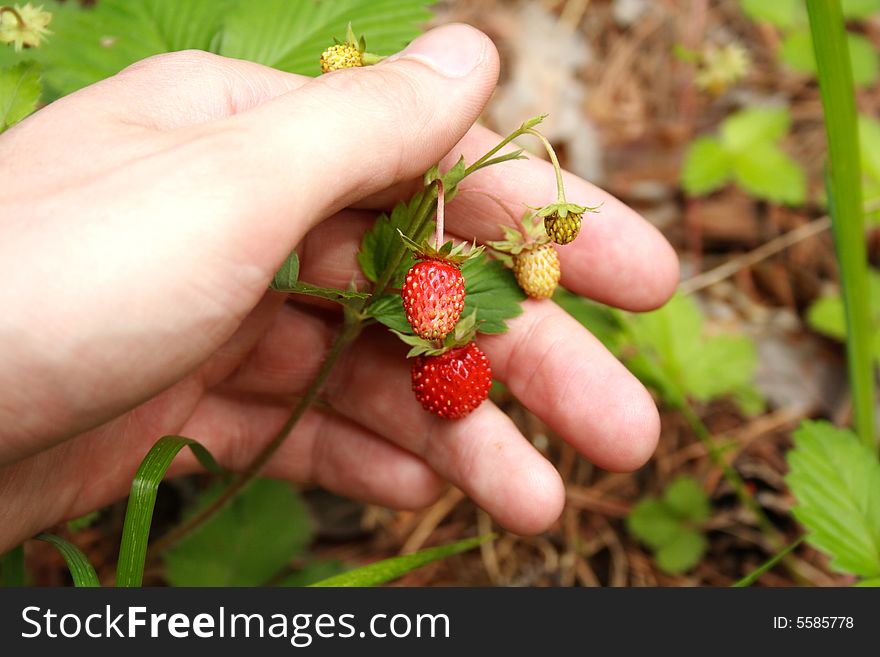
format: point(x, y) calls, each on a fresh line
point(449, 252)
point(562, 210)
point(515, 242)
point(464, 333)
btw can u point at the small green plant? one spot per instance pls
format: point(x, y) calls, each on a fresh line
point(827, 315)
point(671, 525)
point(835, 479)
point(796, 52)
point(674, 355)
point(747, 152)
point(869, 150)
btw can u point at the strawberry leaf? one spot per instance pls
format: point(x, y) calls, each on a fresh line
point(19, 92)
point(90, 44)
point(246, 543)
point(706, 167)
point(491, 291)
point(290, 35)
point(676, 357)
point(388, 310)
point(379, 243)
point(287, 275)
point(836, 481)
point(667, 525)
point(330, 293)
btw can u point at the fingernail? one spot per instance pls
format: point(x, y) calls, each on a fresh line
point(452, 50)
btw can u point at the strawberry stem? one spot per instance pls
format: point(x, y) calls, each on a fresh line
point(441, 209)
point(560, 189)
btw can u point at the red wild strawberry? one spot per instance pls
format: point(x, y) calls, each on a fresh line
point(433, 297)
point(453, 383)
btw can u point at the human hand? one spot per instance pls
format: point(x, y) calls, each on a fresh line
point(143, 218)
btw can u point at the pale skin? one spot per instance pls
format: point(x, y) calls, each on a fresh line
point(142, 218)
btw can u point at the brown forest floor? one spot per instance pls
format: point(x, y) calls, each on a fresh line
point(622, 111)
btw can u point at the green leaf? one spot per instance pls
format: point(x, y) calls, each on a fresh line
point(599, 320)
point(687, 499)
point(380, 243)
point(287, 275)
point(863, 56)
point(869, 145)
point(797, 53)
point(142, 500)
point(12, 571)
point(382, 572)
point(388, 310)
point(666, 524)
point(784, 14)
point(682, 553)
point(20, 90)
point(244, 544)
point(291, 35)
point(88, 45)
point(826, 315)
point(755, 125)
point(81, 570)
point(679, 360)
point(726, 364)
point(856, 9)
point(767, 172)
point(330, 293)
point(706, 167)
point(653, 522)
point(490, 290)
point(835, 480)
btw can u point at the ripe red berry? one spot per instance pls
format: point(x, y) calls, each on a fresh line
point(433, 297)
point(454, 383)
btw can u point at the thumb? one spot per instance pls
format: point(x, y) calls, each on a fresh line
point(351, 133)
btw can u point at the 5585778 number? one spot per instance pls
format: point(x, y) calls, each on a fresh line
point(813, 622)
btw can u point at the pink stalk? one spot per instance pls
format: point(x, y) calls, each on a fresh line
point(441, 206)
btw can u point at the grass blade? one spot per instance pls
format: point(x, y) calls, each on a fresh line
point(381, 572)
point(753, 576)
point(81, 569)
point(844, 182)
point(142, 500)
point(12, 567)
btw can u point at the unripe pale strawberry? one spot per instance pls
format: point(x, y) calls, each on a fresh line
point(562, 230)
point(433, 297)
point(453, 383)
point(537, 271)
point(342, 55)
